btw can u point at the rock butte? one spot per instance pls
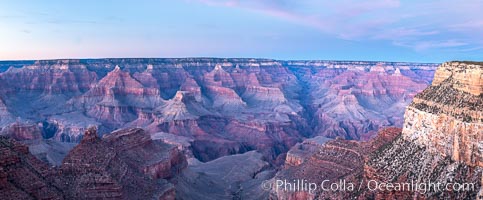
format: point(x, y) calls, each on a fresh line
point(226, 106)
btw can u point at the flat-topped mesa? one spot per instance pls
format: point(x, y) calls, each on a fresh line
point(447, 117)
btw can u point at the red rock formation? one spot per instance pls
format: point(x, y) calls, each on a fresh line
point(22, 176)
point(277, 102)
point(333, 160)
point(127, 164)
point(122, 165)
point(115, 99)
point(385, 159)
point(439, 144)
point(68, 77)
point(447, 116)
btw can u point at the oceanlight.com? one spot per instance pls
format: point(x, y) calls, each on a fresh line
point(302, 185)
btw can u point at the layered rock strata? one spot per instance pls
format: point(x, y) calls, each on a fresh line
point(125, 165)
point(439, 144)
point(447, 117)
point(22, 176)
point(262, 104)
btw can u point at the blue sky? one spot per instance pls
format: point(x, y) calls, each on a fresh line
point(389, 30)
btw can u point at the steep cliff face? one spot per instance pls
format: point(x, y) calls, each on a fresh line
point(441, 143)
point(261, 104)
point(464, 76)
point(447, 117)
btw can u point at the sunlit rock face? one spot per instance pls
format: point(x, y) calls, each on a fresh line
point(447, 117)
point(225, 106)
point(439, 143)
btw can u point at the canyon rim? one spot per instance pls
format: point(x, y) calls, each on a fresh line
point(241, 100)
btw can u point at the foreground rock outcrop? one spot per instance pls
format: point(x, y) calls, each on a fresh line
point(125, 165)
point(441, 143)
point(447, 117)
point(333, 161)
point(22, 176)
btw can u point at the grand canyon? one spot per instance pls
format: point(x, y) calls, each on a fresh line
point(215, 128)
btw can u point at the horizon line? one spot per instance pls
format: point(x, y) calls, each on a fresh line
point(205, 57)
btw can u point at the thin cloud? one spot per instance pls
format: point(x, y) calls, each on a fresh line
point(412, 25)
point(472, 25)
point(344, 23)
point(404, 32)
point(424, 45)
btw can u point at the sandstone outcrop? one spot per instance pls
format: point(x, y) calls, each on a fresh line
point(464, 76)
point(447, 117)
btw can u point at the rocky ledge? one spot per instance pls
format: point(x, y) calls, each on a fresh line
point(447, 117)
point(441, 142)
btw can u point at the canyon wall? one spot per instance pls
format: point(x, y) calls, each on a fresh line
point(225, 106)
point(440, 143)
point(447, 117)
